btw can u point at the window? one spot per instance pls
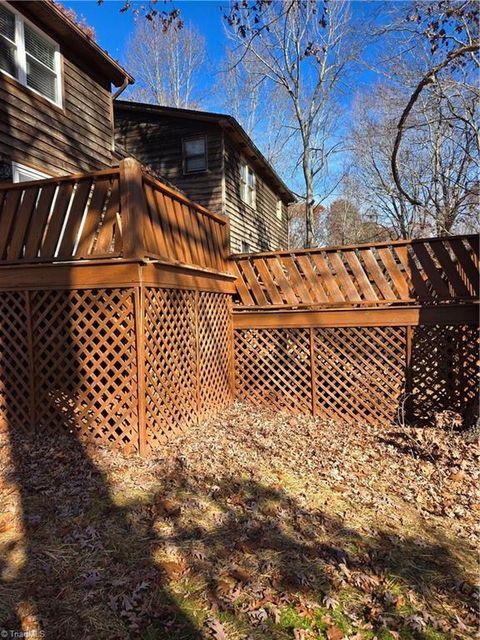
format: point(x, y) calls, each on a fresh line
point(248, 185)
point(245, 247)
point(279, 209)
point(21, 173)
point(194, 154)
point(29, 55)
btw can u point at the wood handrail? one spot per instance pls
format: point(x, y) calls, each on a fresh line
point(74, 177)
point(154, 182)
point(348, 247)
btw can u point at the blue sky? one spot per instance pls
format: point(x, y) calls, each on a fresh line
point(113, 28)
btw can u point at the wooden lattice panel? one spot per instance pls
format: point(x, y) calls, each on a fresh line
point(444, 370)
point(214, 352)
point(170, 363)
point(272, 367)
point(85, 364)
point(359, 373)
point(15, 374)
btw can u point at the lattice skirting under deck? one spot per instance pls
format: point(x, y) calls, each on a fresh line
point(188, 359)
point(359, 375)
point(72, 361)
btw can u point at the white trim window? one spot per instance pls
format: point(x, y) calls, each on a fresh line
point(22, 173)
point(248, 185)
point(29, 55)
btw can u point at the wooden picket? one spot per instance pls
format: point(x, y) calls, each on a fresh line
point(405, 272)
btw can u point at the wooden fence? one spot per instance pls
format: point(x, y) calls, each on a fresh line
point(108, 328)
point(406, 272)
point(117, 324)
point(115, 213)
point(360, 333)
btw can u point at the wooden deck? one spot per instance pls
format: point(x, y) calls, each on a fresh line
point(115, 308)
point(123, 318)
point(360, 333)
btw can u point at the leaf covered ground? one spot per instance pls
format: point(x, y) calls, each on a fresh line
point(251, 526)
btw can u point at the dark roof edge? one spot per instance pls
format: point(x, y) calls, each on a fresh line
point(223, 120)
point(112, 69)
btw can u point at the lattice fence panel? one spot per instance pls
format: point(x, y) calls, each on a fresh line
point(359, 373)
point(214, 352)
point(272, 367)
point(170, 363)
point(444, 370)
point(15, 397)
point(85, 364)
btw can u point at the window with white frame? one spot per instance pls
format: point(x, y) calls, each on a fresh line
point(279, 209)
point(29, 55)
point(248, 185)
point(21, 173)
point(194, 154)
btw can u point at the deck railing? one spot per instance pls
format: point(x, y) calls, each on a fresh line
point(115, 213)
point(426, 271)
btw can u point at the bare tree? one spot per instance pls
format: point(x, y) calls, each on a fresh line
point(261, 108)
point(167, 63)
point(374, 116)
point(296, 225)
point(302, 47)
point(438, 158)
point(451, 29)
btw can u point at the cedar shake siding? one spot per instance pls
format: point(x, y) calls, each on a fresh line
point(75, 136)
point(155, 135)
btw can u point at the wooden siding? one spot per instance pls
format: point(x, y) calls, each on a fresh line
point(157, 142)
point(260, 227)
point(76, 137)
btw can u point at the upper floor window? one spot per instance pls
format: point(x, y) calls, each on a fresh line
point(194, 154)
point(248, 185)
point(29, 55)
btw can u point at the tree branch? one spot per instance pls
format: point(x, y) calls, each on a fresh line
point(428, 78)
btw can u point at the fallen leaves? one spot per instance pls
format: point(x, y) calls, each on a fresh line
point(275, 522)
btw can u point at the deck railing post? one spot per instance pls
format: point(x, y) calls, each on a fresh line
point(133, 208)
point(139, 306)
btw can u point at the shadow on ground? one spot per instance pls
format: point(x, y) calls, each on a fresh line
point(198, 557)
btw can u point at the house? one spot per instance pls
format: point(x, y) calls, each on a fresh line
point(211, 159)
point(56, 114)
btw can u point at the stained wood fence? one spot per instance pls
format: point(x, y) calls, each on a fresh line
point(428, 271)
point(117, 319)
point(116, 213)
point(115, 308)
point(360, 333)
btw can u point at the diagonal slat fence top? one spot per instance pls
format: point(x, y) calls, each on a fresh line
point(429, 271)
point(120, 212)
